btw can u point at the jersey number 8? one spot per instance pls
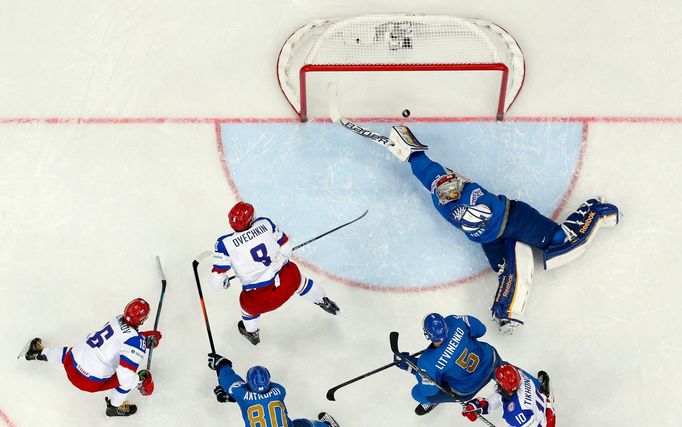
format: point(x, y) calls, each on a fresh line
point(259, 253)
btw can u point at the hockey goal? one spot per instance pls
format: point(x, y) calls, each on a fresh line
point(384, 63)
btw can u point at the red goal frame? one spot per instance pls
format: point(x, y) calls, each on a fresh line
point(315, 68)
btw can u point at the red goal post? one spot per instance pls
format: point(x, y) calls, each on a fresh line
point(400, 43)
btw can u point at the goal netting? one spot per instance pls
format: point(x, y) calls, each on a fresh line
point(403, 50)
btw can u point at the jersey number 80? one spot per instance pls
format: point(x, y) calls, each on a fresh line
point(256, 414)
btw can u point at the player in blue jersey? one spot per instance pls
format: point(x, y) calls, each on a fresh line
point(525, 400)
point(455, 359)
point(260, 400)
point(506, 228)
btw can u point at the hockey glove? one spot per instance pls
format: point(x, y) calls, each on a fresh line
point(474, 408)
point(152, 338)
point(401, 363)
point(215, 361)
point(146, 386)
point(221, 395)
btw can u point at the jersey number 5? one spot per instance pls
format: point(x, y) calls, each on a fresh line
point(98, 338)
point(468, 361)
point(259, 253)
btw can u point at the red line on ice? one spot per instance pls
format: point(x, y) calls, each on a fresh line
point(6, 419)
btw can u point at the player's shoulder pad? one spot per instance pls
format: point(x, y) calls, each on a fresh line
point(262, 218)
point(460, 318)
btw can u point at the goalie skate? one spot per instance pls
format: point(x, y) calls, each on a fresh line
point(580, 227)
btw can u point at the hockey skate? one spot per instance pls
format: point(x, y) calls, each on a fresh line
point(327, 419)
point(253, 337)
point(124, 410)
point(329, 306)
point(425, 408)
point(580, 228)
point(33, 350)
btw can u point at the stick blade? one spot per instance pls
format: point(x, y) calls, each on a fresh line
point(330, 395)
point(393, 340)
point(160, 268)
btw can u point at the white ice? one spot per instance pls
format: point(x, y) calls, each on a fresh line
point(86, 205)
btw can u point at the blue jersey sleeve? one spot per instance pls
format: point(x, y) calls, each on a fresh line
point(425, 169)
point(229, 380)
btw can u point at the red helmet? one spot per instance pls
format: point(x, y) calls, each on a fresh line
point(136, 312)
point(241, 216)
point(508, 378)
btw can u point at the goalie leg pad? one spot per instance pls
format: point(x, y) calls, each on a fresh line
point(515, 278)
point(580, 228)
point(402, 143)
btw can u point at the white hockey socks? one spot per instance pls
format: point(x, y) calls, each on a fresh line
point(310, 291)
point(251, 322)
point(55, 354)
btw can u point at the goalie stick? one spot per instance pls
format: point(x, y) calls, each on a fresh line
point(158, 309)
point(354, 127)
point(393, 339)
point(331, 391)
point(195, 266)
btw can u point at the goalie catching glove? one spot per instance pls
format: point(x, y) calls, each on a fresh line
point(402, 143)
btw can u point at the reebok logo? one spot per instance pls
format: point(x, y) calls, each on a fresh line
point(588, 221)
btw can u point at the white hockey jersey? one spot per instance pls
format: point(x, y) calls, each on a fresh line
point(528, 407)
point(117, 348)
point(256, 255)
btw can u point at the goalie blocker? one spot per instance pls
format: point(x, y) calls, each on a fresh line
point(402, 143)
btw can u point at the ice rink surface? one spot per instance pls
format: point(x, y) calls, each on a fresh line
point(121, 138)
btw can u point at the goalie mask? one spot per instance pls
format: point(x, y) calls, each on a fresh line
point(448, 187)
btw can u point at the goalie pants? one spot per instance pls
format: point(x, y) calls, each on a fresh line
point(524, 224)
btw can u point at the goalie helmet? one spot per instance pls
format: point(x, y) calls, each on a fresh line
point(507, 378)
point(258, 379)
point(241, 216)
point(448, 187)
point(435, 328)
point(136, 312)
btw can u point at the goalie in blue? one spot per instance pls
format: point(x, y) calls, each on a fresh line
point(260, 400)
point(507, 229)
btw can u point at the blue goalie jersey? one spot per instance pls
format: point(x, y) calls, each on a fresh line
point(481, 215)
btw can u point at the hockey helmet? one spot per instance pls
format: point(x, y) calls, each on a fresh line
point(136, 312)
point(508, 378)
point(241, 216)
point(258, 378)
point(448, 187)
point(435, 328)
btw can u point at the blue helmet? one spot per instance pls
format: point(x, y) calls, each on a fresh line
point(258, 379)
point(435, 328)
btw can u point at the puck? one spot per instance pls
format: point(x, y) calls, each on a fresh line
point(406, 113)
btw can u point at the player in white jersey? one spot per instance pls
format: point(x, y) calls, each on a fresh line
point(258, 253)
point(107, 359)
point(525, 400)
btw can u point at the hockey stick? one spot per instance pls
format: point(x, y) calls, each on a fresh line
point(354, 127)
point(393, 339)
point(330, 393)
point(229, 278)
point(195, 266)
point(330, 231)
point(158, 309)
